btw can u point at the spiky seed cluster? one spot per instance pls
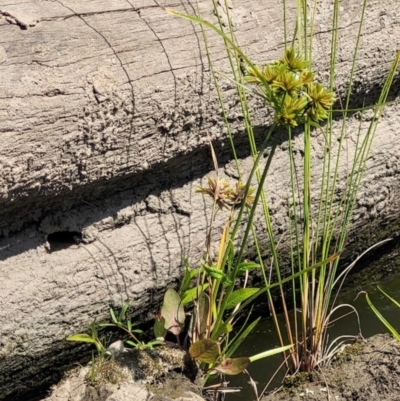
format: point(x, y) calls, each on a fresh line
point(223, 194)
point(239, 194)
point(289, 87)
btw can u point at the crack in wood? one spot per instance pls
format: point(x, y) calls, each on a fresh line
point(91, 13)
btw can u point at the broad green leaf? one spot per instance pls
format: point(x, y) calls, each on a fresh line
point(270, 352)
point(159, 327)
point(233, 366)
point(238, 296)
point(173, 312)
point(191, 294)
point(203, 310)
point(198, 321)
point(83, 338)
point(205, 350)
point(129, 325)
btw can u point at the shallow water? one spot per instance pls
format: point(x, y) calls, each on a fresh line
point(264, 337)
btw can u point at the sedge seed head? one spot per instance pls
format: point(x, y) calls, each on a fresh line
point(219, 190)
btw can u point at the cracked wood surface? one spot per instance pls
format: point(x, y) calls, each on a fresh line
point(100, 90)
point(105, 107)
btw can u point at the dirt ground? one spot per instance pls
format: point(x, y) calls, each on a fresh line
point(370, 372)
point(365, 371)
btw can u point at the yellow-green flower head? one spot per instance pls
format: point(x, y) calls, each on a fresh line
point(306, 77)
point(287, 84)
point(288, 87)
point(272, 72)
point(252, 75)
point(292, 111)
point(293, 61)
point(321, 101)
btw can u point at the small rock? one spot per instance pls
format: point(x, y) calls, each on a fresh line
point(116, 348)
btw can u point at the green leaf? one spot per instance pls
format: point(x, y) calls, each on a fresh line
point(233, 366)
point(159, 327)
point(129, 325)
point(286, 280)
point(93, 328)
point(241, 337)
point(389, 297)
point(135, 345)
point(173, 312)
point(244, 266)
point(191, 294)
point(83, 338)
point(112, 314)
point(123, 312)
point(214, 272)
point(150, 344)
point(107, 325)
point(195, 272)
point(100, 349)
point(238, 296)
point(224, 328)
point(205, 350)
point(226, 38)
point(218, 274)
point(391, 329)
point(186, 278)
point(203, 309)
point(270, 352)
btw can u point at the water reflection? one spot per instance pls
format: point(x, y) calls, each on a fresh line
point(264, 337)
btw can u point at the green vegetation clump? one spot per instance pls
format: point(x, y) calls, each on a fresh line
point(348, 353)
point(298, 381)
point(201, 315)
point(105, 371)
point(319, 208)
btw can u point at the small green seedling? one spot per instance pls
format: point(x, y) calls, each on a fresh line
point(93, 339)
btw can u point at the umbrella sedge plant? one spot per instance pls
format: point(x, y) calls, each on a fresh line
point(317, 229)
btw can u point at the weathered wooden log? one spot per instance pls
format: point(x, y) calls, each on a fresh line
point(105, 112)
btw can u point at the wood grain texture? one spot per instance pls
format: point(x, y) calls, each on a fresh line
point(105, 109)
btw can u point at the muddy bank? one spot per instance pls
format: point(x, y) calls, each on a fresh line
point(366, 371)
point(164, 373)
